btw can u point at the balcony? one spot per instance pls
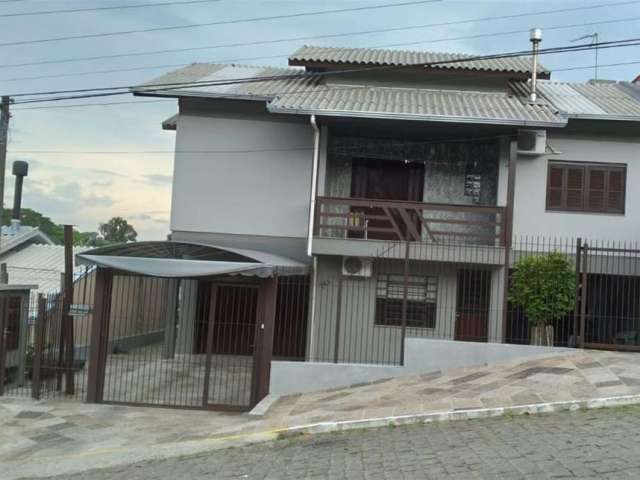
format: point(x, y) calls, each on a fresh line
point(393, 220)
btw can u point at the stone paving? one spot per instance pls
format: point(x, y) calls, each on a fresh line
point(594, 444)
point(39, 438)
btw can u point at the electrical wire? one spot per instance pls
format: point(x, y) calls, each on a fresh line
point(151, 88)
point(217, 23)
point(346, 34)
point(98, 9)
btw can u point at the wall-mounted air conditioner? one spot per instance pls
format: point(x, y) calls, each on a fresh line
point(356, 267)
point(532, 142)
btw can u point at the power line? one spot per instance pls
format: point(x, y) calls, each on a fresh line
point(346, 34)
point(217, 23)
point(150, 88)
point(178, 65)
point(97, 9)
point(102, 104)
point(139, 102)
point(151, 152)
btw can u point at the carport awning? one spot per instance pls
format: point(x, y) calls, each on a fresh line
point(184, 260)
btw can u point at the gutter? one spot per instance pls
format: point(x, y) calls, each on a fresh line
point(314, 181)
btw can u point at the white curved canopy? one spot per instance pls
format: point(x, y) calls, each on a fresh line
point(184, 260)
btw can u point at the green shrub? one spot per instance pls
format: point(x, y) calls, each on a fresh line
point(544, 286)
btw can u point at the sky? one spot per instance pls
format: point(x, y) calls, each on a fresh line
point(90, 163)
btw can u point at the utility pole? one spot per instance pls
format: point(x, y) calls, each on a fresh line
point(4, 134)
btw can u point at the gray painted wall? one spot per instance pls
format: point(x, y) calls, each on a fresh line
point(422, 356)
point(262, 191)
point(531, 217)
point(360, 339)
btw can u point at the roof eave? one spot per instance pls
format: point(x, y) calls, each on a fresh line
point(419, 118)
point(191, 94)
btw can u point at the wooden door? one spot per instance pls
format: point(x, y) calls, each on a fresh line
point(473, 305)
point(386, 180)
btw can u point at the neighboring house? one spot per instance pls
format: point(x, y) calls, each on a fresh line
point(457, 158)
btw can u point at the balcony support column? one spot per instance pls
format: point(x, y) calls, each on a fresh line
point(508, 232)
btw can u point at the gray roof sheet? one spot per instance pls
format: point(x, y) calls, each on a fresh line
point(200, 73)
point(591, 100)
point(417, 104)
point(374, 56)
point(290, 90)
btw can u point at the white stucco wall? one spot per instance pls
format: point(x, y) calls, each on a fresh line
point(530, 215)
point(251, 193)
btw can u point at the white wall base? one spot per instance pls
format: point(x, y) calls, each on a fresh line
point(422, 355)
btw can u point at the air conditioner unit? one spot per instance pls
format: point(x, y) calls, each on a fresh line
point(532, 142)
point(356, 267)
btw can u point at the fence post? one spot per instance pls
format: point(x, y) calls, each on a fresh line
point(338, 315)
point(99, 335)
point(67, 319)
point(3, 349)
point(584, 295)
point(405, 294)
point(576, 308)
point(39, 347)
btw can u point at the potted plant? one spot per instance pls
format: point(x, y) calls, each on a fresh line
point(545, 287)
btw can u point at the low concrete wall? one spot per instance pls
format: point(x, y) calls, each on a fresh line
point(422, 355)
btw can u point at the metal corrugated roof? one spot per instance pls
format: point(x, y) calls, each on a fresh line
point(373, 56)
point(14, 236)
point(417, 104)
point(211, 72)
point(591, 100)
point(41, 265)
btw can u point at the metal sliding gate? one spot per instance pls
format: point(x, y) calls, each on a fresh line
point(608, 313)
point(183, 343)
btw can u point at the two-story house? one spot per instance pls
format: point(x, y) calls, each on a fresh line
point(404, 181)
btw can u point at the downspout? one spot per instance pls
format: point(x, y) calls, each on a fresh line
point(314, 181)
point(312, 212)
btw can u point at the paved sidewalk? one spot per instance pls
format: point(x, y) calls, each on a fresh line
point(595, 444)
point(44, 438)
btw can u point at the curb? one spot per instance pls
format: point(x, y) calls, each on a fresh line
point(450, 415)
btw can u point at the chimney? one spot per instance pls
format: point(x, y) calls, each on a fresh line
point(535, 35)
point(20, 170)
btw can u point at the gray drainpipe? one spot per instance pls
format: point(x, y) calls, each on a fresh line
point(314, 181)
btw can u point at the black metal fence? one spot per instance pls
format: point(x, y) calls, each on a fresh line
point(424, 290)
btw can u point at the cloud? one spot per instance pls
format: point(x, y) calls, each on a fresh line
point(158, 179)
point(58, 198)
point(102, 172)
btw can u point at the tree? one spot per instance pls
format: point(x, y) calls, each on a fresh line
point(545, 287)
point(32, 218)
point(117, 230)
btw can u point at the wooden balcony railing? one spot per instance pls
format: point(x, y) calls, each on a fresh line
point(413, 221)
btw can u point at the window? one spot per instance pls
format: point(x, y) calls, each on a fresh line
point(586, 187)
point(422, 293)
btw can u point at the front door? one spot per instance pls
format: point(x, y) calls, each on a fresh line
point(473, 305)
point(386, 180)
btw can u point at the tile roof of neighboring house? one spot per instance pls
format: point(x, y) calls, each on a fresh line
point(381, 57)
point(418, 104)
point(40, 265)
point(591, 100)
point(14, 236)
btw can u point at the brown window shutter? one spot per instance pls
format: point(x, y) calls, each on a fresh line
point(596, 194)
point(554, 187)
point(615, 194)
point(575, 188)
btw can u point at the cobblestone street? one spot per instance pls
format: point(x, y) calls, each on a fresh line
point(585, 444)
